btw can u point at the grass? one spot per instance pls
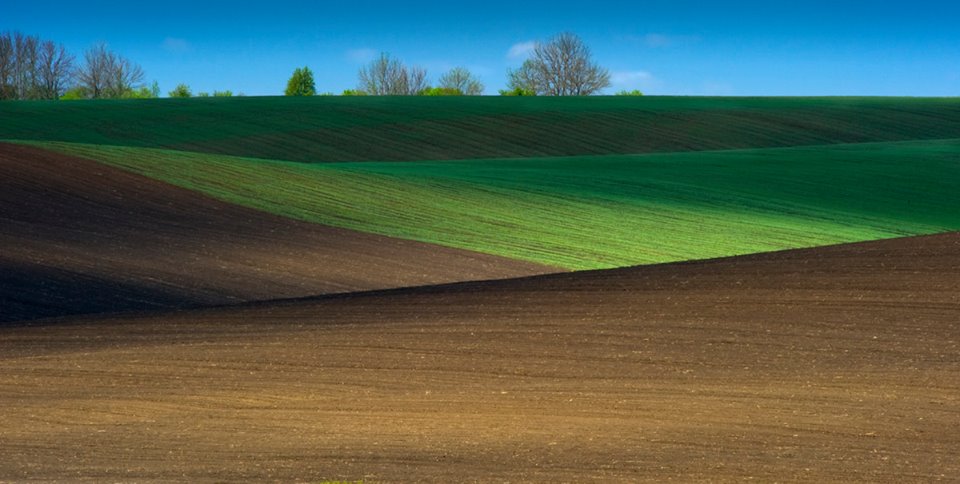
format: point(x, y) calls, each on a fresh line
point(325, 129)
point(596, 212)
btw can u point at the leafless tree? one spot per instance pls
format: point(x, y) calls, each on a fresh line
point(416, 80)
point(386, 76)
point(25, 59)
point(560, 67)
point(124, 77)
point(7, 90)
point(108, 75)
point(460, 79)
point(55, 70)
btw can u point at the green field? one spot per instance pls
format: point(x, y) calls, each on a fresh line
point(325, 129)
point(596, 211)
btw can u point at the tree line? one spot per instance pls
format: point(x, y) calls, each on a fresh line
point(33, 68)
point(561, 66)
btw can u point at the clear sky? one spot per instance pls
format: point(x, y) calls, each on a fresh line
point(660, 47)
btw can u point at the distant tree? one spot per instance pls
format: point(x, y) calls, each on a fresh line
point(7, 89)
point(108, 75)
point(26, 51)
point(560, 67)
point(517, 91)
point(203, 94)
point(301, 83)
point(223, 93)
point(385, 76)
point(142, 92)
point(55, 70)
point(634, 92)
point(75, 93)
point(440, 91)
point(182, 90)
point(353, 92)
point(155, 89)
point(460, 79)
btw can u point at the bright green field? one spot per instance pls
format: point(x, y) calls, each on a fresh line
point(324, 129)
point(595, 212)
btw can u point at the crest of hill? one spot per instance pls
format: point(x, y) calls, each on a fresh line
point(330, 129)
point(81, 237)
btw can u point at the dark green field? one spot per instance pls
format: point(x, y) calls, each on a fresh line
point(324, 129)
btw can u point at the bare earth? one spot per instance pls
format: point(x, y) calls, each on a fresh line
point(831, 364)
point(77, 237)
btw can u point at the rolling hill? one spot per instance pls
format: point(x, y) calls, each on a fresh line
point(829, 364)
point(325, 129)
point(595, 212)
point(81, 237)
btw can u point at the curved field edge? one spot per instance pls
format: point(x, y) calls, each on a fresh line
point(596, 212)
point(325, 129)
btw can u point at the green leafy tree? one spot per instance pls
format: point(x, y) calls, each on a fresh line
point(518, 91)
point(440, 91)
point(634, 92)
point(301, 83)
point(227, 93)
point(182, 90)
point(354, 92)
point(75, 93)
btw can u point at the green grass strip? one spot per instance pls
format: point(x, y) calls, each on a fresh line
point(596, 212)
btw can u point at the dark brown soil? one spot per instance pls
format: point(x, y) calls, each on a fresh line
point(832, 364)
point(80, 237)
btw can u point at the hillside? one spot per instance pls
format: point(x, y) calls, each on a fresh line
point(81, 237)
point(325, 129)
point(830, 364)
point(596, 212)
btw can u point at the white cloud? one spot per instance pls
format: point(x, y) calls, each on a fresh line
point(361, 55)
point(521, 49)
point(173, 44)
point(631, 79)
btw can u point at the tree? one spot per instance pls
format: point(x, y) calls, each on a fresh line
point(26, 57)
point(460, 79)
point(7, 90)
point(182, 90)
point(560, 67)
point(226, 93)
point(55, 70)
point(517, 91)
point(108, 75)
point(385, 76)
point(635, 92)
point(440, 91)
point(301, 83)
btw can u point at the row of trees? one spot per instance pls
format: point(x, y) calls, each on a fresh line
point(32, 68)
point(561, 66)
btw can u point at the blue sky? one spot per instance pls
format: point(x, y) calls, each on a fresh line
point(660, 47)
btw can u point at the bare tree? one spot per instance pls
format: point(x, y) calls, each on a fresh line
point(560, 67)
point(6, 66)
point(55, 70)
point(125, 76)
point(108, 75)
point(25, 59)
point(96, 69)
point(460, 79)
point(386, 76)
point(416, 80)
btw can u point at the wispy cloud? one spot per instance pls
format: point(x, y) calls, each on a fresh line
point(521, 49)
point(629, 80)
point(176, 45)
point(361, 55)
point(655, 40)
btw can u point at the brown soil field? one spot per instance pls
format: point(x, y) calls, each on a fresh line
point(833, 364)
point(77, 236)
